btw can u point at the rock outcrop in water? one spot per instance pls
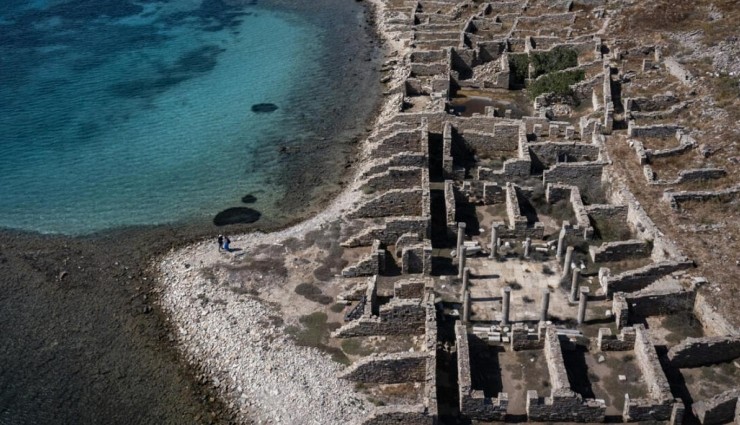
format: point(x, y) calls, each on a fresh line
point(264, 107)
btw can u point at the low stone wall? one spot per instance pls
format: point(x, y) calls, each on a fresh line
point(584, 175)
point(373, 264)
point(513, 211)
point(550, 153)
point(695, 352)
point(450, 209)
point(410, 288)
point(400, 415)
point(619, 250)
point(719, 409)
point(395, 178)
point(657, 302)
point(392, 368)
point(635, 280)
point(625, 341)
point(658, 406)
point(522, 339)
point(402, 141)
point(398, 317)
point(417, 258)
point(679, 71)
point(390, 232)
point(661, 130)
point(403, 159)
point(563, 405)
point(430, 345)
point(604, 212)
point(676, 198)
point(712, 322)
point(474, 404)
point(396, 202)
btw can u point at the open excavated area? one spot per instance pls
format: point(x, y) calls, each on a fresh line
point(517, 245)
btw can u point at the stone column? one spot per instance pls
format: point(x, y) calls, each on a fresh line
point(505, 304)
point(466, 306)
point(568, 260)
point(466, 277)
point(582, 302)
point(527, 247)
point(545, 304)
point(460, 237)
point(494, 242)
point(574, 285)
point(461, 262)
point(561, 244)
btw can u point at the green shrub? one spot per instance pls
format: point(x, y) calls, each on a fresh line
point(558, 83)
point(557, 59)
point(519, 68)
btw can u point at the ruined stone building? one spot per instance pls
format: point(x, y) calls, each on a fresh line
point(492, 227)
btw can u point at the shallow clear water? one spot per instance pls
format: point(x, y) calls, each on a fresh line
point(120, 113)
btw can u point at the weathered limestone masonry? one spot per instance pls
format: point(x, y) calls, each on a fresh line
point(400, 316)
point(695, 352)
point(625, 341)
point(712, 322)
point(563, 405)
point(392, 368)
point(635, 280)
point(658, 406)
point(652, 302)
point(619, 250)
point(719, 409)
point(585, 175)
point(523, 339)
point(374, 264)
point(473, 403)
point(675, 199)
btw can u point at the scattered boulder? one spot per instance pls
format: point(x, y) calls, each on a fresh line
point(261, 108)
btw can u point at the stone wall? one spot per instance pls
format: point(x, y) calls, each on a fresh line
point(402, 141)
point(395, 202)
point(513, 211)
point(398, 317)
point(637, 279)
point(584, 175)
point(403, 159)
point(394, 178)
point(619, 250)
point(409, 288)
point(659, 302)
point(678, 71)
point(607, 212)
point(563, 405)
point(658, 406)
point(625, 341)
point(676, 198)
point(392, 368)
point(695, 352)
point(373, 264)
point(400, 415)
point(719, 409)
point(523, 339)
point(661, 130)
point(390, 232)
point(473, 403)
point(550, 153)
point(712, 322)
point(417, 258)
point(450, 209)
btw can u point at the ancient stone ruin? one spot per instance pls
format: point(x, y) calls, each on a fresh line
point(492, 226)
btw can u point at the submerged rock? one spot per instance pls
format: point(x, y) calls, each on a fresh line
point(264, 107)
point(236, 215)
point(249, 199)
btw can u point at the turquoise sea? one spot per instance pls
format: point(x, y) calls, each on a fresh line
point(118, 112)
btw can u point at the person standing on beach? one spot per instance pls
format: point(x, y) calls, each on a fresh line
point(220, 242)
point(227, 241)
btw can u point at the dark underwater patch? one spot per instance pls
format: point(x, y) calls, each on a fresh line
point(264, 107)
point(236, 215)
point(249, 199)
point(189, 65)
